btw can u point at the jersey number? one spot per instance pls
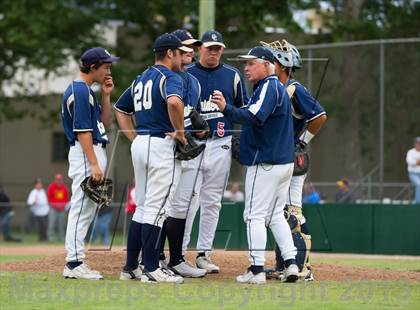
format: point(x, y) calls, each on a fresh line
point(143, 96)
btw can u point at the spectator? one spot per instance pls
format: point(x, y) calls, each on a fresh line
point(234, 194)
point(130, 206)
point(344, 193)
point(102, 225)
point(58, 197)
point(6, 214)
point(413, 166)
point(38, 202)
point(312, 195)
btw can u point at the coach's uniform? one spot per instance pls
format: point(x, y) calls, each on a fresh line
point(81, 112)
point(305, 109)
point(267, 149)
point(216, 160)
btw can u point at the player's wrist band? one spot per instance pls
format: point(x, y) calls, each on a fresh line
point(306, 136)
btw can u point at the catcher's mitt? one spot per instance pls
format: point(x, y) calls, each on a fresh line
point(235, 147)
point(199, 124)
point(100, 193)
point(189, 151)
point(301, 160)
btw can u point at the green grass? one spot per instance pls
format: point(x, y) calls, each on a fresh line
point(393, 264)
point(47, 291)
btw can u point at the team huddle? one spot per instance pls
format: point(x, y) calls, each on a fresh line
point(179, 115)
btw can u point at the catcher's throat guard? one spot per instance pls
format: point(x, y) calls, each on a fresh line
point(101, 193)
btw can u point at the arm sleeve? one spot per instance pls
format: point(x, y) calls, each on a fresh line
point(173, 86)
point(125, 103)
point(308, 105)
point(241, 97)
point(411, 161)
point(82, 108)
point(31, 198)
point(50, 194)
point(241, 116)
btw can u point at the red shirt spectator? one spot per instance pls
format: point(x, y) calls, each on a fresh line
point(130, 207)
point(58, 193)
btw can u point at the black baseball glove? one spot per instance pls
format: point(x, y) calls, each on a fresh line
point(235, 147)
point(101, 193)
point(301, 159)
point(189, 151)
point(199, 124)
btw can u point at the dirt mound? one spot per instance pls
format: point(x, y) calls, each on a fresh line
point(231, 264)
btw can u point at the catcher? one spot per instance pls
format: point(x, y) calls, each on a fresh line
point(308, 118)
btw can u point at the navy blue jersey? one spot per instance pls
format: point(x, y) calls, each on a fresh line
point(267, 125)
point(190, 95)
point(305, 108)
point(81, 112)
point(229, 81)
point(146, 99)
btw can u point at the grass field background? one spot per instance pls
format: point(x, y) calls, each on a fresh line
point(20, 290)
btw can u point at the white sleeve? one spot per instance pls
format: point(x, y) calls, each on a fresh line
point(31, 198)
point(411, 160)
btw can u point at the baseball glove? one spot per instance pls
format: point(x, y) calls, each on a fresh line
point(189, 151)
point(235, 147)
point(100, 193)
point(199, 124)
point(301, 160)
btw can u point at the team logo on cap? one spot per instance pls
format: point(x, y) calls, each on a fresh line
point(107, 52)
point(214, 37)
point(189, 35)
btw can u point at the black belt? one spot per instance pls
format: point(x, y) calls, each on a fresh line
point(102, 144)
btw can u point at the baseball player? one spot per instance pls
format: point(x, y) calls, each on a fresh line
point(308, 118)
point(267, 150)
point(174, 225)
point(84, 122)
point(215, 163)
point(155, 100)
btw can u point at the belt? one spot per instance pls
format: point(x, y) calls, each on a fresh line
point(102, 144)
point(156, 135)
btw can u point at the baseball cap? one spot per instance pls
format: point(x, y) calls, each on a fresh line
point(212, 37)
point(258, 52)
point(186, 37)
point(95, 55)
point(168, 41)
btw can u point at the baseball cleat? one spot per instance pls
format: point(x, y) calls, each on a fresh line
point(81, 272)
point(204, 262)
point(291, 274)
point(184, 269)
point(160, 276)
point(131, 274)
point(309, 276)
point(251, 278)
point(163, 264)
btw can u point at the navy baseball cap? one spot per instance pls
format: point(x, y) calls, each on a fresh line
point(258, 52)
point(186, 37)
point(95, 55)
point(212, 37)
point(168, 41)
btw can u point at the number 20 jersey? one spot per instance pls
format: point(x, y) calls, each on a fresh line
point(146, 99)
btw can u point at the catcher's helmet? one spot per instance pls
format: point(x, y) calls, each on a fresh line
point(297, 60)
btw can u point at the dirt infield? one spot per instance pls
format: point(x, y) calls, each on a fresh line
point(232, 263)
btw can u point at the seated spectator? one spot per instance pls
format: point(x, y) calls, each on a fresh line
point(312, 195)
point(234, 194)
point(344, 193)
point(6, 215)
point(130, 206)
point(38, 202)
point(413, 167)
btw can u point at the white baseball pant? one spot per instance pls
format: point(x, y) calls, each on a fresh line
point(83, 209)
point(294, 194)
point(265, 190)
